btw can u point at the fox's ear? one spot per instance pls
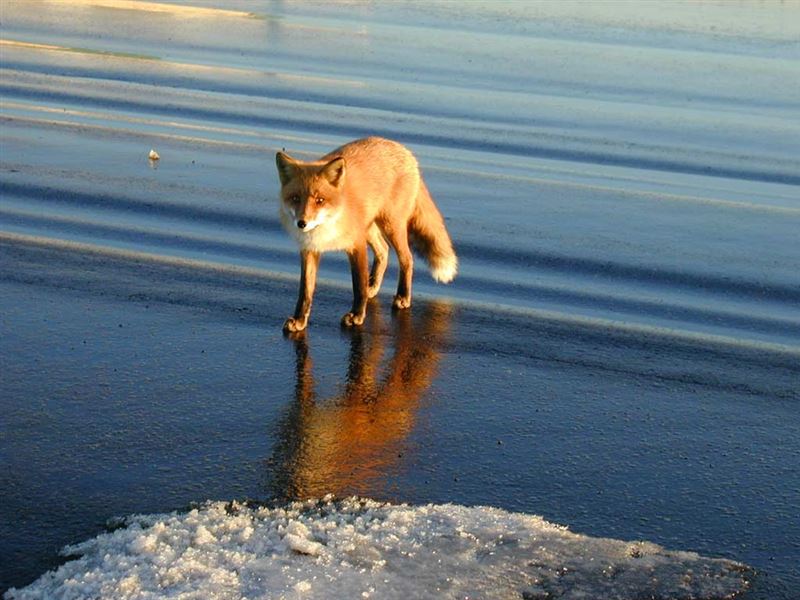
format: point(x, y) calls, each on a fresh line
point(334, 171)
point(286, 167)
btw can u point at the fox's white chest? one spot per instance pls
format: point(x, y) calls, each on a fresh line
point(323, 234)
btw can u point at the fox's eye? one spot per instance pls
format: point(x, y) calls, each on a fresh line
point(294, 199)
point(320, 200)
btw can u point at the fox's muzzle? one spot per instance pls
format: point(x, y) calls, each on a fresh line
point(301, 224)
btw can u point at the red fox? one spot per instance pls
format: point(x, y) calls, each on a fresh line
point(363, 193)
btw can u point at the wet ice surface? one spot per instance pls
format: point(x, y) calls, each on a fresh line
point(619, 353)
point(363, 549)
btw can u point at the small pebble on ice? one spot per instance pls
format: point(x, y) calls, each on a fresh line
point(153, 155)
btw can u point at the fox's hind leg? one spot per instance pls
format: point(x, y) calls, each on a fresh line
point(379, 246)
point(398, 238)
point(359, 269)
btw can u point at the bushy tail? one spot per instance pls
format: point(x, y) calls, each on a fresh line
point(429, 237)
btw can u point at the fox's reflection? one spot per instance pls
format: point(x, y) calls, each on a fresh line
point(350, 443)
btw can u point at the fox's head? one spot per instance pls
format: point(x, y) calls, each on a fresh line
point(310, 192)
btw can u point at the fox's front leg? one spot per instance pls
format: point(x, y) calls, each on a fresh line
point(309, 262)
point(359, 269)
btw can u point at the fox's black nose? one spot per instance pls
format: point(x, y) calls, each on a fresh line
point(301, 224)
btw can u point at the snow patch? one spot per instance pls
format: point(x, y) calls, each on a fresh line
point(360, 548)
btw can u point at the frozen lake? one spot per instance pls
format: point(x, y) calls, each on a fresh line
point(620, 353)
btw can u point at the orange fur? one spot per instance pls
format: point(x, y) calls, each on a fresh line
point(367, 192)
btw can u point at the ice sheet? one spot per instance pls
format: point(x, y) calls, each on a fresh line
point(621, 181)
point(356, 548)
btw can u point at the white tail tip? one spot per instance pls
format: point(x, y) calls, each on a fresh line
point(445, 270)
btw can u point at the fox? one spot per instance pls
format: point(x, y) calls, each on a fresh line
point(366, 193)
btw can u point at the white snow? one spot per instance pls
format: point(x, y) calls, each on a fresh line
point(361, 548)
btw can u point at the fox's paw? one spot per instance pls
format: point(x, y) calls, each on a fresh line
point(401, 302)
point(352, 320)
point(293, 325)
